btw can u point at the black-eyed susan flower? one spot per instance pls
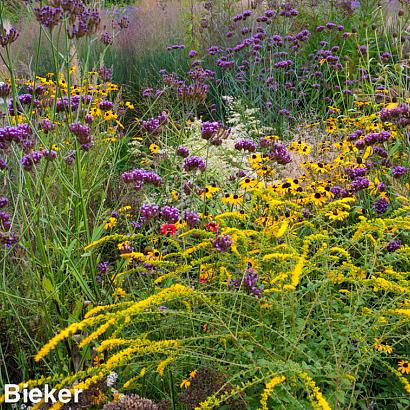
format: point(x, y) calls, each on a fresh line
point(110, 115)
point(318, 198)
point(337, 215)
point(209, 191)
point(154, 148)
point(300, 147)
point(249, 183)
point(110, 224)
point(404, 367)
point(232, 199)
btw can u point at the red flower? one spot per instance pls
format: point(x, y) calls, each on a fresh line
point(212, 226)
point(168, 229)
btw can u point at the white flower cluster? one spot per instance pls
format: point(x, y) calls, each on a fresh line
point(243, 120)
point(112, 379)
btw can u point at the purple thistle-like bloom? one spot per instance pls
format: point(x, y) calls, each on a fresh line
point(385, 56)
point(106, 38)
point(31, 159)
point(245, 145)
point(47, 126)
point(222, 242)
point(209, 129)
point(102, 267)
point(280, 154)
point(139, 177)
point(399, 115)
point(193, 163)
point(8, 239)
point(8, 37)
point(250, 284)
point(380, 151)
point(105, 73)
point(123, 22)
point(356, 172)
point(381, 187)
point(283, 64)
point(191, 218)
point(363, 50)
point(83, 135)
point(5, 90)
point(188, 187)
point(154, 125)
point(3, 202)
point(106, 105)
point(359, 183)
point(381, 205)
point(183, 151)
point(399, 171)
point(69, 159)
point(393, 245)
point(49, 16)
point(5, 221)
point(148, 211)
point(20, 134)
point(170, 214)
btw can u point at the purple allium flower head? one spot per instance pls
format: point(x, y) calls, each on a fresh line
point(209, 129)
point(183, 151)
point(5, 90)
point(381, 187)
point(191, 218)
point(359, 183)
point(106, 105)
point(246, 145)
point(31, 159)
point(193, 163)
point(170, 214)
point(47, 126)
point(154, 125)
point(69, 159)
point(83, 135)
point(105, 73)
point(392, 246)
point(357, 172)
point(188, 187)
point(49, 16)
point(381, 205)
point(399, 171)
point(106, 38)
point(222, 243)
point(250, 284)
point(8, 37)
point(123, 22)
point(139, 177)
point(5, 221)
point(280, 154)
point(149, 211)
point(102, 267)
point(3, 202)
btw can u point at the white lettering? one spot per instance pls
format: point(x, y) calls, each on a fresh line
point(64, 396)
point(12, 393)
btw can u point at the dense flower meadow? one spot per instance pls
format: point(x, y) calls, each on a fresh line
point(234, 235)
